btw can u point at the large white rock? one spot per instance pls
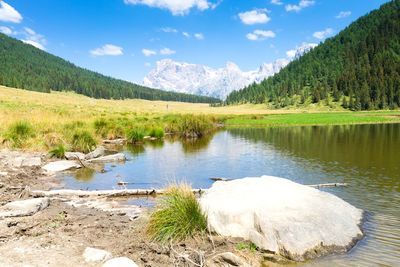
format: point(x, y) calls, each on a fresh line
point(98, 152)
point(61, 165)
point(120, 262)
point(278, 215)
point(26, 207)
point(109, 158)
point(74, 155)
point(95, 254)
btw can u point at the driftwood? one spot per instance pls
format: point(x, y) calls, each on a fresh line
point(107, 193)
point(215, 179)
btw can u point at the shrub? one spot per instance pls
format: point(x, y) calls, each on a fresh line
point(178, 216)
point(135, 135)
point(58, 151)
point(19, 132)
point(83, 141)
point(156, 132)
point(194, 126)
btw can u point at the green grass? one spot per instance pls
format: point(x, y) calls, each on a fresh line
point(83, 141)
point(177, 217)
point(19, 132)
point(156, 132)
point(332, 118)
point(246, 245)
point(58, 151)
point(135, 135)
point(192, 126)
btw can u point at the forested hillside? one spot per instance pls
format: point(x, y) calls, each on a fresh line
point(359, 68)
point(24, 66)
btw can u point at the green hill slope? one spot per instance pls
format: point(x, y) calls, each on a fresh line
point(359, 68)
point(24, 66)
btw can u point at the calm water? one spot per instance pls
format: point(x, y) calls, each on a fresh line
point(367, 157)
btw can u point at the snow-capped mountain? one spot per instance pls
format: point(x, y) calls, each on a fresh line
point(202, 80)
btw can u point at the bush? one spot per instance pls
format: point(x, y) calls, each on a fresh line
point(178, 216)
point(58, 151)
point(19, 132)
point(135, 135)
point(156, 132)
point(83, 141)
point(192, 126)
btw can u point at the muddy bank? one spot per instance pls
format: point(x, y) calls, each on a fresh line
point(59, 234)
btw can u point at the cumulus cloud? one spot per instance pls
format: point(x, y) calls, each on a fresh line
point(257, 16)
point(176, 7)
point(257, 35)
point(167, 51)
point(276, 2)
point(6, 30)
point(107, 50)
point(323, 34)
point(199, 36)
point(169, 30)
point(33, 38)
point(186, 34)
point(9, 14)
point(148, 52)
point(302, 4)
point(343, 14)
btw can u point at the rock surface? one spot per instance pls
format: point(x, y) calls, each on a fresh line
point(227, 259)
point(61, 165)
point(120, 262)
point(94, 255)
point(100, 151)
point(109, 158)
point(74, 155)
point(278, 215)
point(23, 207)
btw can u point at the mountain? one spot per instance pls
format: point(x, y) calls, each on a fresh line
point(202, 80)
point(27, 67)
point(360, 67)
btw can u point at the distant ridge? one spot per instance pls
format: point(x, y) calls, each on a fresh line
point(359, 67)
point(26, 67)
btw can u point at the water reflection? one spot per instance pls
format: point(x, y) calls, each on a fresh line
point(84, 174)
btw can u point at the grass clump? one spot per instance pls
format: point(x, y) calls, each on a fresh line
point(249, 246)
point(178, 216)
point(19, 132)
point(156, 132)
point(135, 135)
point(58, 151)
point(101, 127)
point(192, 126)
point(83, 141)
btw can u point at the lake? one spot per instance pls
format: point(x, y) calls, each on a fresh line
point(367, 157)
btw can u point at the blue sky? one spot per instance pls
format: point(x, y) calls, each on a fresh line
point(125, 38)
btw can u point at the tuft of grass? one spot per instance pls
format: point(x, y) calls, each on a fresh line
point(135, 135)
point(19, 132)
point(83, 141)
point(58, 151)
point(246, 245)
point(192, 126)
point(101, 127)
point(177, 217)
point(156, 132)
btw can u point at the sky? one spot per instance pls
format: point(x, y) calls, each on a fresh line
point(125, 38)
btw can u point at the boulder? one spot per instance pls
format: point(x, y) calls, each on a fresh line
point(281, 216)
point(115, 141)
point(227, 259)
point(74, 155)
point(100, 151)
point(120, 262)
point(109, 158)
point(23, 207)
point(94, 255)
point(61, 165)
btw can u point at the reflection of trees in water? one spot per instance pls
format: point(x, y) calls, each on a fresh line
point(193, 145)
point(135, 149)
point(159, 143)
point(361, 146)
point(84, 174)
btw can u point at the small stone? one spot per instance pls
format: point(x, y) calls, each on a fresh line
point(109, 158)
point(23, 207)
point(120, 262)
point(94, 254)
point(3, 174)
point(74, 155)
point(61, 165)
point(228, 259)
point(100, 151)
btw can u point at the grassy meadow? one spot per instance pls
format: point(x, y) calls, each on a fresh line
point(62, 121)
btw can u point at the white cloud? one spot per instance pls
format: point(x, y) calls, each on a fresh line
point(276, 2)
point(167, 51)
point(257, 16)
point(199, 36)
point(186, 34)
point(323, 34)
point(260, 35)
point(291, 53)
point(302, 4)
point(148, 52)
point(169, 30)
point(8, 13)
point(300, 50)
point(107, 50)
point(33, 38)
point(176, 7)
point(343, 14)
point(6, 30)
